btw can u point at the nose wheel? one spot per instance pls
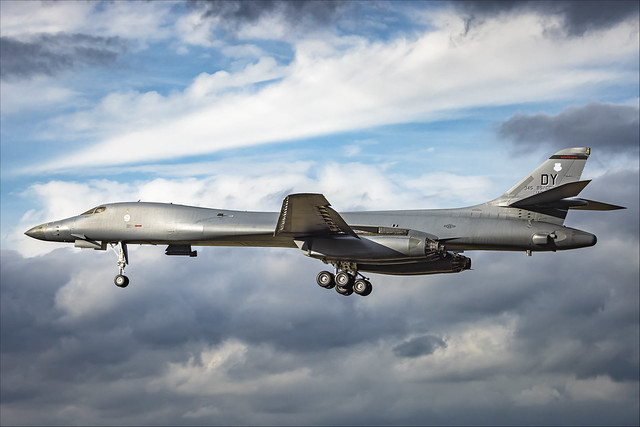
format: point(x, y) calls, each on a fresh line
point(121, 281)
point(120, 250)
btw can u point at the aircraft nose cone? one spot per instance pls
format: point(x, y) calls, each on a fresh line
point(37, 232)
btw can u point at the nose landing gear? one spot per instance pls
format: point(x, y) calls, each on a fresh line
point(121, 280)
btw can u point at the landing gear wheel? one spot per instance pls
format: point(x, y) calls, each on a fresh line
point(121, 281)
point(362, 287)
point(344, 280)
point(120, 250)
point(325, 279)
point(346, 291)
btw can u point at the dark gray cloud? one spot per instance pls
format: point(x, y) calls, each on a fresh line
point(296, 13)
point(419, 346)
point(579, 16)
point(50, 54)
point(606, 126)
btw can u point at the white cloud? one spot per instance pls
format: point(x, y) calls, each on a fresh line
point(446, 187)
point(85, 295)
point(243, 51)
point(37, 94)
point(194, 29)
point(22, 18)
point(332, 87)
point(207, 373)
point(207, 85)
point(270, 26)
point(471, 350)
point(142, 21)
point(129, 113)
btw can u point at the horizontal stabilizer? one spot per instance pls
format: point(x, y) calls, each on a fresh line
point(592, 205)
point(557, 201)
point(549, 197)
point(309, 214)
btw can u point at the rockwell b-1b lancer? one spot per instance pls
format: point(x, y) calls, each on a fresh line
point(528, 217)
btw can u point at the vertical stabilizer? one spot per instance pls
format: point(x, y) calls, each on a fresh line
point(562, 168)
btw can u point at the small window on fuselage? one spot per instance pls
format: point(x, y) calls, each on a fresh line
point(100, 209)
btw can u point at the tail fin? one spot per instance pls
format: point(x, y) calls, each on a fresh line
point(550, 189)
point(562, 168)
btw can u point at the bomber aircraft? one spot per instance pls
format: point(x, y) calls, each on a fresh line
point(528, 217)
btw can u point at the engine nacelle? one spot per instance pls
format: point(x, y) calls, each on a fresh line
point(374, 247)
point(413, 245)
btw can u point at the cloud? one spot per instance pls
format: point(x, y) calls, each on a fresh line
point(419, 346)
point(222, 23)
point(130, 111)
point(139, 22)
point(332, 87)
point(608, 126)
point(228, 347)
point(34, 95)
point(305, 14)
point(595, 15)
point(578, 17)
point(50, 54)
point(37, 17)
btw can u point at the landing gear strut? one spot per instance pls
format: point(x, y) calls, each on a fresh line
point(121, 280)
point(345, 280)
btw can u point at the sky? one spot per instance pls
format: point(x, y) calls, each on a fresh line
point(376, 105)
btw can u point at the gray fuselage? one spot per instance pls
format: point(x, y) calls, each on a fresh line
point(481, 227)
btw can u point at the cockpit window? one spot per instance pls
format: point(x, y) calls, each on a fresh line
point(97, 210)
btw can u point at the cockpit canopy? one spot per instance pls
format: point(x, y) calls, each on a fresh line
point(96, 210)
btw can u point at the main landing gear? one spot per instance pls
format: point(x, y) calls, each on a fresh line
point(346, 282)
point(121, 280)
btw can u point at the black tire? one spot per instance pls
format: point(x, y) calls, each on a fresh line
point(344, 291)
point(362, 287)
point(121, 281)
point(344, 279)
point(325, 279)
point(367, 290)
